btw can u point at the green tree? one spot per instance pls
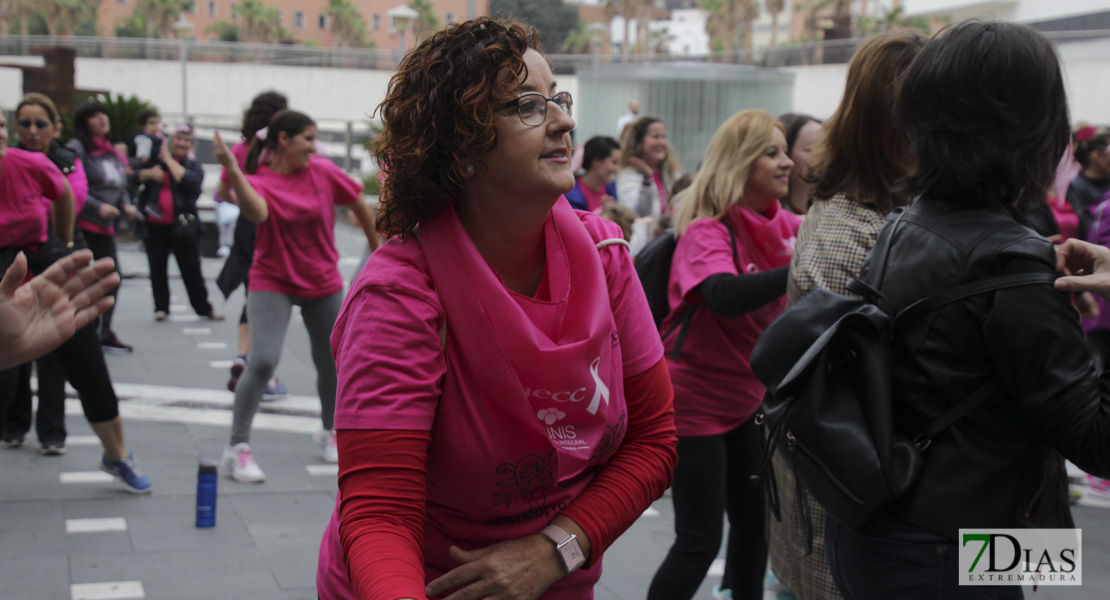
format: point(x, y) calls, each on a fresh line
point(427, 23)
point(348, 28)
point(224, 31)
point(554, 19)
point(260, 23)
point(131, 27)
point(775, 7)
point(16, 15)
point(159, 15)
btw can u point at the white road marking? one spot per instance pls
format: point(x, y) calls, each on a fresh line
point(220, 364)
point(85, 477)
point(196, 330)
point(184, 318)
point(96, 525)
point(108, 590)
point(322, 470)
point(82, 440)
point(717, 569)
point(211, 346)
point(650, 512)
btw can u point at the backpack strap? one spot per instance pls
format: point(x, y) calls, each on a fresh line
point(611, 241)
point(683, 323)
point(965, 406)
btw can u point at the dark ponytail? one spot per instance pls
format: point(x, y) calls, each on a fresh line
point(286, 121)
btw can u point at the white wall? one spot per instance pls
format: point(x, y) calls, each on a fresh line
point(334, 95)
point(1011, 10)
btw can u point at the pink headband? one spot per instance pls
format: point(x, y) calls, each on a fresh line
point(1086, 133)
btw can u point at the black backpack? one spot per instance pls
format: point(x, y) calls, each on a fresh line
point(653, 266)
point(826, 363)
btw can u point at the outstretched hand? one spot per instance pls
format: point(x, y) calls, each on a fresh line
point(519, 569)
point(223, 154)
point(38, 316)
point(1086, 268)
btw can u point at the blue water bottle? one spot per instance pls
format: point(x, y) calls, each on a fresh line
point(206, 495)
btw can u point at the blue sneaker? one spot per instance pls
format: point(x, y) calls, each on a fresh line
point(275, 390)
point(128, 472)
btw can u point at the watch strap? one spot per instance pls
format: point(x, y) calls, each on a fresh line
point(566, 546)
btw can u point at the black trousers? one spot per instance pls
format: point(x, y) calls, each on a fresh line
point(890, 559)
point(104, 245)
point(185, 249)
point(713, 477)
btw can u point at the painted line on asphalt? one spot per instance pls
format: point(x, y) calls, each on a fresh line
point(184, 318)
point(650, 512)
point(211, 346)
point(220, 364)
point(85, 477)
point(108, 590)
point(178, 307)
point(196, 330)
point(82, 440)
point(322, 470)
point(717, 569)
point(96, 525)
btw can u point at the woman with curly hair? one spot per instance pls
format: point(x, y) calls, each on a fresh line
point(291, 197)
point(502, 416)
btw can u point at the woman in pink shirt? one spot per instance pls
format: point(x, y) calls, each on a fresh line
point(504, 413)
point(30, 184)
point(292, 198)
point(727, 283)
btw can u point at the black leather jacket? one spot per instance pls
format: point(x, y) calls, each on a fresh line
point(1000, 465)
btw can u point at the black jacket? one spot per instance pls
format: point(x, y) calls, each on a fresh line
point(185, 192)
point(999, 466)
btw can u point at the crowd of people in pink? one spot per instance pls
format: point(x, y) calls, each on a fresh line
point(499, 397)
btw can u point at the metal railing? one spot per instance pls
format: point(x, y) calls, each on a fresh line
point(788, 54)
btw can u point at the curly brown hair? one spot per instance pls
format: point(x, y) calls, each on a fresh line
point(438, 114)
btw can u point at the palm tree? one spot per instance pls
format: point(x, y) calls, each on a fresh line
point(261, 23)
point(775, 7)
point(724, 23)
point(16, 11)
point(427, 23)
point(348, 28)
point(159, 15)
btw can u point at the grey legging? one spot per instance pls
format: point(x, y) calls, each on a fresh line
point(269, 314)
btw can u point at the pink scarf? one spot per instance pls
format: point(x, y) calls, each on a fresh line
point(772, 235)
point(102, 146)
point(528, 366)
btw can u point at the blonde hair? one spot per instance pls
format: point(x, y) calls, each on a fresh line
point(723, 178)
point(42, 101)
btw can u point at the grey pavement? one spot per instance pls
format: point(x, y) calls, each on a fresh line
point(175, 406)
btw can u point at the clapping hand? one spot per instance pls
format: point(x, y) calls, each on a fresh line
point(223, 154)
point(1086, 268)
point(38, 316)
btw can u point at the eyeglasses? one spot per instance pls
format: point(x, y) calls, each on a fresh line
point(532, 106)
point(26, 123)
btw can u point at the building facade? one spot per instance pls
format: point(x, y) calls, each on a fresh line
point(306, 20)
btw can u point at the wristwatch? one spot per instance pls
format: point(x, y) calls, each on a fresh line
point(567, 547)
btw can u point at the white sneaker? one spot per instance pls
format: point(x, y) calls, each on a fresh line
point(240, 464)
point(331, 448)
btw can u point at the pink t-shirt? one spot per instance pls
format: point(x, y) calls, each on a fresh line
point(239, 150)
point(714, 388)
point(1066, 219)
point(165, 202)
point(295, 251)
point(26, 179)
point(402, 381)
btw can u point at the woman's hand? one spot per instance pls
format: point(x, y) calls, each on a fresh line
point(641, 167)
point(223, 154)
point(107, 211)
point(1086, 268)
point(519, 569)
point(154, 173)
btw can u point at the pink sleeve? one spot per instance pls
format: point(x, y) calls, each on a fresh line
point(387, 346)
point(701, 252)
point(345, 190)
point(80, 184)
point(639, 340)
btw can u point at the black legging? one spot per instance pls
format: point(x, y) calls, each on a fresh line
point(160, 242)
point(105, 245)
point(713, 476)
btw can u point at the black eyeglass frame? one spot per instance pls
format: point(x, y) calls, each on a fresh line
point(39, 123)
point(515, 103)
